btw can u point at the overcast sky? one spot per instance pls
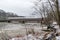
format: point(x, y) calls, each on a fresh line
point(20, 7)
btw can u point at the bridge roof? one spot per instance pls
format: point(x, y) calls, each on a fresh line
point(23, 18)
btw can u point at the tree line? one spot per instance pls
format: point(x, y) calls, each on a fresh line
point(4, 15)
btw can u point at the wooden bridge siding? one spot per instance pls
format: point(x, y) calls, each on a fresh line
point(25, 20)
point(21, 20)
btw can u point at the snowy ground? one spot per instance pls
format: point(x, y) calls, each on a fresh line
point(19, 28)
point(12, 29)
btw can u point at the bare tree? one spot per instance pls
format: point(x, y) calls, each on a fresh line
point(43, 10)
point(56, 13)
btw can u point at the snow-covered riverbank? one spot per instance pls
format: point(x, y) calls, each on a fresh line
point(12, 29)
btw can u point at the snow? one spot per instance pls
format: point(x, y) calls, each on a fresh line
point(58, 38)
point(30, 37)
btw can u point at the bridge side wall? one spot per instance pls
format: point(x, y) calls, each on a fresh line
point(25, 21)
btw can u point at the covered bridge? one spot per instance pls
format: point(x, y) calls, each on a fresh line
point(23, 19)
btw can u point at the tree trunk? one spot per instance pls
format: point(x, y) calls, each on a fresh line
point(58, 14)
